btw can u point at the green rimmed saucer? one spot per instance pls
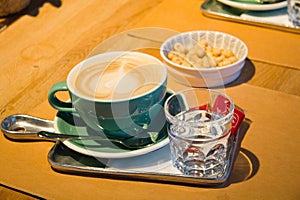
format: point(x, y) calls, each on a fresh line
point(72, 124)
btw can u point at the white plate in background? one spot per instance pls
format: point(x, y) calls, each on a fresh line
point(257, 7)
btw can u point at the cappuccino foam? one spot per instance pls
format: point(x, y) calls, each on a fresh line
point(124, 77)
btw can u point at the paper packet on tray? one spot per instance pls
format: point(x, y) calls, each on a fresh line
point(218, 107)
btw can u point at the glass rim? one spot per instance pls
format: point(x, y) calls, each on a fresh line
point(173, 118)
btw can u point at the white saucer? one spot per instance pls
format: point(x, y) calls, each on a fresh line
point(257, 7)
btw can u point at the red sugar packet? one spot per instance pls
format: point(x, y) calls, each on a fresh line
point(222, 106)
point(238, 117)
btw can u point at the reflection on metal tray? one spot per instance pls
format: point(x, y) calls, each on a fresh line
point(275, 19)
point(155, 166)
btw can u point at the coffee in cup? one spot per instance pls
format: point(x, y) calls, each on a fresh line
point(118, 79)
point(115, 92)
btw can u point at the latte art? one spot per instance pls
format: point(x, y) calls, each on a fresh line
point(125, 77)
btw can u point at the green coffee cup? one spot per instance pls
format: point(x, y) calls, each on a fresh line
point(118, 93)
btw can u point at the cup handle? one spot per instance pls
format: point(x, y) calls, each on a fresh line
point(55, 102)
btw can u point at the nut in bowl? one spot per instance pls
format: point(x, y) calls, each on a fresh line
point(204, 58)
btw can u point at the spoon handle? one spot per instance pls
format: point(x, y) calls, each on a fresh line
point(52, 136)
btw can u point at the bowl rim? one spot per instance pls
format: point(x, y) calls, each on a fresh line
point(162, 50)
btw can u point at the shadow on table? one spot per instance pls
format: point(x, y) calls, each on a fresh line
point(32, 9)
point(246, 75)
point(246, 164)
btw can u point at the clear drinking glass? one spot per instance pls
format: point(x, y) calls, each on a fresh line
point(293, 9)
point(199, 129)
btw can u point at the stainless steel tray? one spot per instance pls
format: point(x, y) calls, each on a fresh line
point(215, 9)
point(155, 166)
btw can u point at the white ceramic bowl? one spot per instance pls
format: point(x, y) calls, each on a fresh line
point(206, 77)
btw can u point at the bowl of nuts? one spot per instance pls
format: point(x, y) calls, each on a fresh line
point(204, 58)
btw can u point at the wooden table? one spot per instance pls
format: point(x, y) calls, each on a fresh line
point(39, 48)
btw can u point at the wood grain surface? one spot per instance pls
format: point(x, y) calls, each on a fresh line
point(39, 46)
